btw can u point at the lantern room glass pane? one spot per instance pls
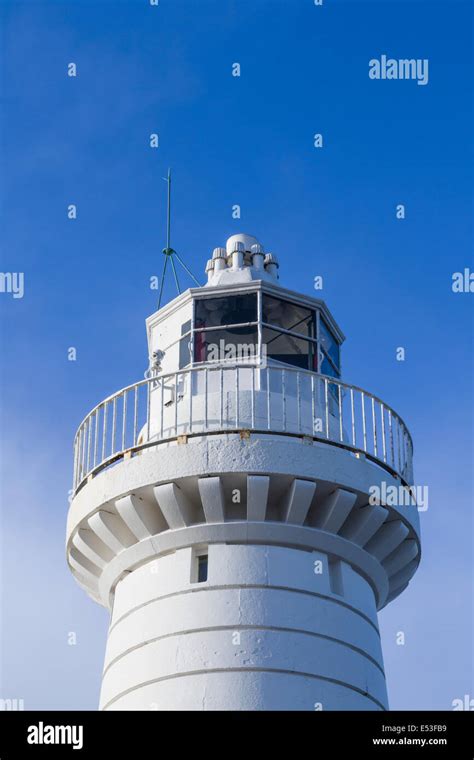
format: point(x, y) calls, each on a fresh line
point(185, 345)
point(231, 344)
point(288, 348)
point(329, 342)
point(327, 368)
point(288, 315)
point(185, 351)
point(226, 310)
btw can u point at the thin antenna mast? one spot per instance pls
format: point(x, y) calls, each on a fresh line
point(168, 252)
point(168, 216)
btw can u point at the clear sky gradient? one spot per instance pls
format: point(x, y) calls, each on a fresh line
point(329, 212)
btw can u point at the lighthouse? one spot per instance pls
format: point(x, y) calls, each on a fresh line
point(229, 509)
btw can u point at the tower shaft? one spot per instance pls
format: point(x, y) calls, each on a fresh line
point(272, 628)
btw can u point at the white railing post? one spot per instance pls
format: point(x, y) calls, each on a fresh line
point(114, 424)
point(353, 419)
point(339, 396)
point(190, 391)
point(89, 436)
point(96, 439)
point(83, 469)
point(237, 394)
point(104, 429)
point(390, 426)
point(364, 426)
point(269, 412)
point(252, 399)
point(221, 397)
point(74, 469)
point(283, 397)
point(298, 400)
point(399, 451)
point(176, 381)
point(384, 447)
point(326, 404)
point(374, 426)
point(148, 407)
point(124, 420)
point(135, 416)
point(162, 403)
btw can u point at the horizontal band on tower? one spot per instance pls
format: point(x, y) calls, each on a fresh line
point(243, 628)
point(266, 533)
point(265, 587)
point(333, 681)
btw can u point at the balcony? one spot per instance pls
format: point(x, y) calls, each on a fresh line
point(219, 399)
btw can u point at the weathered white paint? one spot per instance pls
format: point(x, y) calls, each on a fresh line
point(172, 642)
point(298, 561)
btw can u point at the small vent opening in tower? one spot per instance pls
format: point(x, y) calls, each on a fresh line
point(199, 565)
point(202, 568)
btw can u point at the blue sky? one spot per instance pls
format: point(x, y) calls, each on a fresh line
point(329, 212)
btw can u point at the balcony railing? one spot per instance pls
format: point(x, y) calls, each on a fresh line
point(213, 399)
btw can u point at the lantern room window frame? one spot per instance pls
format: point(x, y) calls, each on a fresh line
point(321, 355)
point(324, 336)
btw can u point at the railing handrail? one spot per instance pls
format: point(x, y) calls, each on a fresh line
point(238, 365)
point(389, 433)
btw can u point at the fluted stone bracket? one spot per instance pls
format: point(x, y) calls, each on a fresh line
point(259, 490)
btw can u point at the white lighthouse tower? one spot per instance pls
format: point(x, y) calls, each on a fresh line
point(223, 508)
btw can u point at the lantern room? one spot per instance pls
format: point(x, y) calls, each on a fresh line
point(243, 315)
